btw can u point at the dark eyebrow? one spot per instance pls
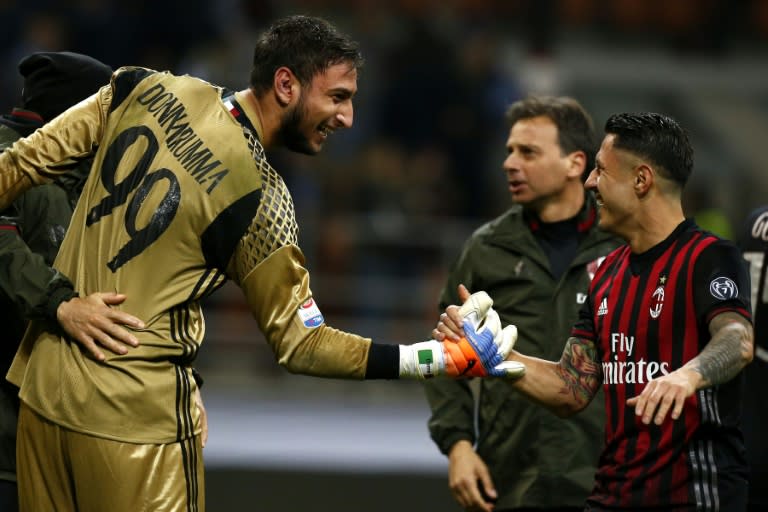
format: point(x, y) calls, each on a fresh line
point(525, 147)
point(341, 91)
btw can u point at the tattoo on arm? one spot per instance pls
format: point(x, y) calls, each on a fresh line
point(580, 370)
point(727, 352)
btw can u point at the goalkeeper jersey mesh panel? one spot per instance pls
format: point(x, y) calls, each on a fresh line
point(648, 314)
point(179, 199)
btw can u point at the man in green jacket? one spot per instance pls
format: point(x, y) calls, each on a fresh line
point(32, 229)
point(535, 261)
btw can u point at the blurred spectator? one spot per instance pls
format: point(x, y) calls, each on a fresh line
point(446, 98)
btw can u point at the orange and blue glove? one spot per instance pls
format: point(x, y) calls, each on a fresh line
point(480, 353)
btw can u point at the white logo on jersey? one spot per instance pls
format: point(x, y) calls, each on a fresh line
point(603, 309)
point(760, 227)
point(756, 261)
point(723, 288)
point(581, 298)
point(624, 369)
point(657, 302)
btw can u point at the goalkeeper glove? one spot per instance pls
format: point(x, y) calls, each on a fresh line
point(480, 353)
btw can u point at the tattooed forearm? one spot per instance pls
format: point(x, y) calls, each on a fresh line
point(579, 369)
point(729, 350)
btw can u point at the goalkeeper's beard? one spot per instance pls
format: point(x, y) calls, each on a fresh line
point(290, 135)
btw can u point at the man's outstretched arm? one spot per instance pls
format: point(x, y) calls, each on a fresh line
point(565, 387)
point(277, 291)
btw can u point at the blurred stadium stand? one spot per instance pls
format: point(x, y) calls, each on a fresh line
point(384, 209)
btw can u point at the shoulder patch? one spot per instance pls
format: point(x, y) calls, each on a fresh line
point(723, 288)
point(310, 314)
point(759, 230)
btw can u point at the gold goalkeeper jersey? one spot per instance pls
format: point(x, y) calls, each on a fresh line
point(180, 198)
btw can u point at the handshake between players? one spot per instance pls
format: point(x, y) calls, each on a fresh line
point(469, 341)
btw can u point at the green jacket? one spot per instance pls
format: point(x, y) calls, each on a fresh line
point(536, 459)
point(31, 231)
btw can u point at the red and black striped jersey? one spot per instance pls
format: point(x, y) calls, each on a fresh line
point(648, 315)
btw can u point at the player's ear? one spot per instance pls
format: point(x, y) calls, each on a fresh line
point(577, 163)
point(643, 179)
point(285, 85)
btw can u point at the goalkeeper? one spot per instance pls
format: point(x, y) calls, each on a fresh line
point(181, 198)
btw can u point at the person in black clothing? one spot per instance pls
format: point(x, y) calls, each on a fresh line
point(665, 331)
point(754, 246)
point(32, 229)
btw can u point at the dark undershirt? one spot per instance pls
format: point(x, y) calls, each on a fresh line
point(559, 241)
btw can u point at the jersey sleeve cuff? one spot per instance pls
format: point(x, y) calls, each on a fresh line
point(383, 362)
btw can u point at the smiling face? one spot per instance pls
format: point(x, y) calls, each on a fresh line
point(321, 108)
point(537, 170)
point(613, 182)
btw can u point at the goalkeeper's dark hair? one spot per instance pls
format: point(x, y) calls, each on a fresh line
point(575, 129)
point(306, 45)
point(657, 138)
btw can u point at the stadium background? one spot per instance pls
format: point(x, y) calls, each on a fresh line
point(384, 209)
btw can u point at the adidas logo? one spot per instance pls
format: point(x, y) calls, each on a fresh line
point(603, 309)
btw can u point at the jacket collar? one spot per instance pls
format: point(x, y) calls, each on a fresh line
point(512, 228)
point(512, 231)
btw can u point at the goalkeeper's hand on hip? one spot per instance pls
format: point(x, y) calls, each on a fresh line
point(479, 353)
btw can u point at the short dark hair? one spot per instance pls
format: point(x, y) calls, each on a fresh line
point(656, 137)
point(575, 129)
point(306, 45)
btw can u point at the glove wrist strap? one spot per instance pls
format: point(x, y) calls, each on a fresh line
point(422, 360)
